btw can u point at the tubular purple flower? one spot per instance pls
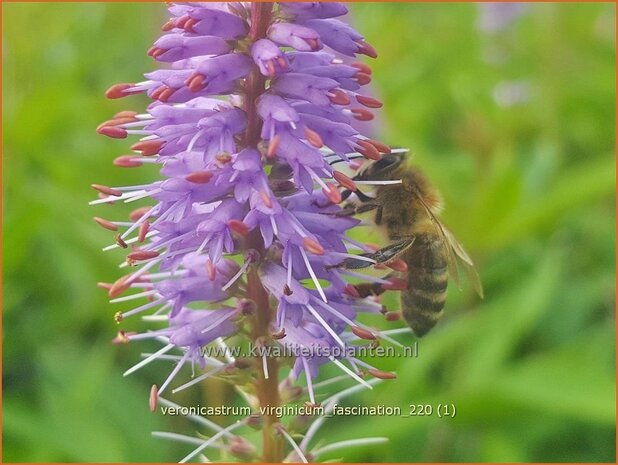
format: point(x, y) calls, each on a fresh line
point(243, 232)
point(301, 38)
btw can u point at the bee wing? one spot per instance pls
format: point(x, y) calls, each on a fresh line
point(466, 261)
point(450, 256)
point(453, 250)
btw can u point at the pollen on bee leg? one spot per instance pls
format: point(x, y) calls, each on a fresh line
point(154, 398)
point(313, 246)
point(105, 224)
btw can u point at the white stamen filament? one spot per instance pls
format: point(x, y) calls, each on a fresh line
point(365, 277)
point(197, 419)
point(167, 274)
point(350, 372)
point(349, 443)
point(174, 372)
point(194, 139)
point(323, 322)
point(289, 270)
point(162, 309)
point(273, 223)
point(228, 354)
point(265, 366)
point(313, 276)
point(308, 378)
point(329, 403)
point(146, 361)
point(218, 322)
point(143, 196)
point(356, 257)
point(297, 449)
point(139, 295)
point(138, 222)
point(328, 382)
point(234, 278)
point(139, 132)
point(128, 241)
point(112, 198)
point(203, 244)
point(208, 442)
point(155, 318)
point(316, 178)
point(180, 438)
point(212, 372)
point(378, 183)
point(142, 308)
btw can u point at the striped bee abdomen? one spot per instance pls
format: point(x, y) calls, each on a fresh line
point(422, 302)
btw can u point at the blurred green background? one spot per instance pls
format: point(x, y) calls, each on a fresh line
point(514, 120)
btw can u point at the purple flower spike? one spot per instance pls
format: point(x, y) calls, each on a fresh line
point(242, 237)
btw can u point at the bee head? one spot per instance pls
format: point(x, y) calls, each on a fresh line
point(384, 168)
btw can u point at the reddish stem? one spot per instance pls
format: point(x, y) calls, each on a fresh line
point(267, 389)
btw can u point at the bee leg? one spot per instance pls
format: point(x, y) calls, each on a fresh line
point(384, 255)
point(363, 208)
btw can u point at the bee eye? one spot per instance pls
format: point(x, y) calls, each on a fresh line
point(387, 162)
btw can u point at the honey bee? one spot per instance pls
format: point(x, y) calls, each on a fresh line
point(408, 212)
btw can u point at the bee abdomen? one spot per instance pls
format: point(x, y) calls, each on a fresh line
point(423, 301)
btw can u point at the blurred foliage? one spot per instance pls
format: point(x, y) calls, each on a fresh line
point(529, 183)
